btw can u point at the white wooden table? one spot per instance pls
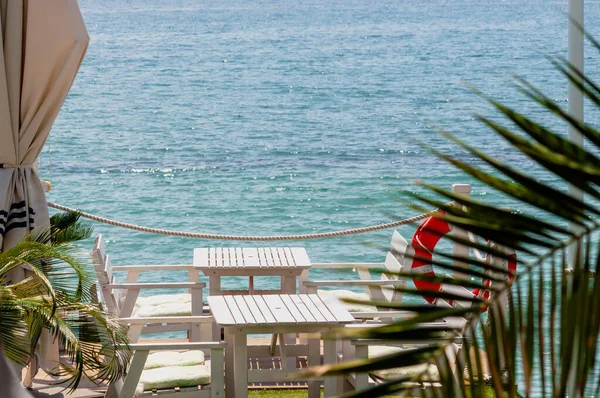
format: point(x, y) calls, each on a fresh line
point(284, 262)
point(287, 263)
point(285, 313)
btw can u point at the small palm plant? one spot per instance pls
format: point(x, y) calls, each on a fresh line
point(57, 296)
point(547, 338)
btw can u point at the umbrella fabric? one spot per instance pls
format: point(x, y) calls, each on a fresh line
point(43, 44)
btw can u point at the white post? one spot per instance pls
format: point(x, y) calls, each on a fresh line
point(575, 94)
point(459, 249)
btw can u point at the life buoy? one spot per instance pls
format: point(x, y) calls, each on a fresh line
point(426, 237)
point(510, 264)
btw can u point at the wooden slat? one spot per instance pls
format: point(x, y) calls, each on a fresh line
point(201, 257)
point(264, 309)
point(289, 256)
point(244, 309)
point(256, 312)
point(391, 263)
point(108, 267)
point(272, 256)
point(291, 306)
point(262, 258)
point(224, 257)
point(269, 257)
point(282, 257)
point(239, 257)
point(212, 257)
point(306, 313)
point(300, 256)
point(219, 261)
point(231, 256)
point(338, 310)
point(250, 257)
point(100, 246)
point(322, 308)
point(312, 308)
point(235, 311)
point(218, 306)
point(278, 309)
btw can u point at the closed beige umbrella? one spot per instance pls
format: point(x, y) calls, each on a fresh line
point(43, 44)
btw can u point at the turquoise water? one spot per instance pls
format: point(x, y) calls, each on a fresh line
point(285, 117)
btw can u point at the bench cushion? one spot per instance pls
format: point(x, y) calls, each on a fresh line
point(164, 298)
point(174, 376)
point(162, 359)
point(394, 373)
point(163, 305)
point(166, 309)
point(349, 294)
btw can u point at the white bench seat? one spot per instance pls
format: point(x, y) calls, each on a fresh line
point(341, 294)
point(163, 305)
point(177, 369)
point(173, 376)
point(164, 359)
point(126, 300)
point(405, 371)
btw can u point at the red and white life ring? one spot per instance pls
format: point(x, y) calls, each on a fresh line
point(423, 242)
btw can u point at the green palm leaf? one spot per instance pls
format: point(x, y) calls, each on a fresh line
point(58, 297)
point(543, 322)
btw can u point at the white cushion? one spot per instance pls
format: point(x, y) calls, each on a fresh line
point(162, 359)
point(164, 298)
point(405, 371)
point(349, 294)
point(163, 305)
point(173, 376)
point(165, 309)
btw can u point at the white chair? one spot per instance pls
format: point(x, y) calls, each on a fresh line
point(184, 369)
point(375, 290)
point(363, 348)
point(173, 369)
point(124, 298)
point(358, 348)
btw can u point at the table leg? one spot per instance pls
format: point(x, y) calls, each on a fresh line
point(240, 365)
point(229, 368)
point(314, 359)
point(288, 286)
point(214, 289)
point(329, 357)
point(361, 378)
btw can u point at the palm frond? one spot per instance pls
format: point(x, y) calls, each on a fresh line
point(542, 325)
point(57, 297)
point(68, 227)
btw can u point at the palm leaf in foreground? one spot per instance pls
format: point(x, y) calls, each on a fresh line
point(57, 298)
point(542, 325)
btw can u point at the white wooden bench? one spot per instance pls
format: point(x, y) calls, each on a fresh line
point(202, 376)
point(381, 290)
point(181, 369)
point(364, 348)
point(124, 298)
point(360, 348)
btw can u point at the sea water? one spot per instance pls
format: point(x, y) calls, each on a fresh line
point(289, 117)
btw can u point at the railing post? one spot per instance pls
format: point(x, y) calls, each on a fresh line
point(460, 249)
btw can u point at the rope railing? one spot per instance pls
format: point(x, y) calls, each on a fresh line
point(200, 235)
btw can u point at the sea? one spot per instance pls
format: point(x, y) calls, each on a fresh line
point(290, 117)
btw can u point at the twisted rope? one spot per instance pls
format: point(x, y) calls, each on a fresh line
point(199, 235)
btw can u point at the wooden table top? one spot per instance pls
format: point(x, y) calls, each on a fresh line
point(278, 309)
point(259, 258)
